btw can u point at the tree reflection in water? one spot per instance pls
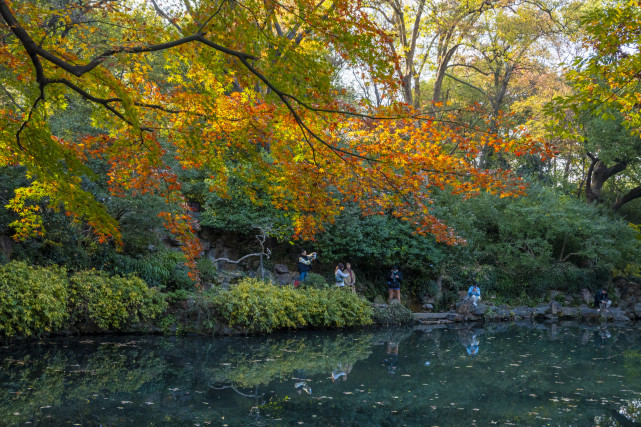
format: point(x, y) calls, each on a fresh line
point(537, 374)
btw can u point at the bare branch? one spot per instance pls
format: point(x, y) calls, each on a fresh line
point(162, 13)
point(466, 83)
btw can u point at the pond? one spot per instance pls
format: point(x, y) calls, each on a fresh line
point(531, 374)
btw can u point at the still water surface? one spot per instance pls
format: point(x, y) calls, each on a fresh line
point(503, 374)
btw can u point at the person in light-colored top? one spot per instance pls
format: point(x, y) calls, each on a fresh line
point(474, 294)
point(340, 275)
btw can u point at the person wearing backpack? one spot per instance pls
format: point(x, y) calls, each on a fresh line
point(340, 275)
point(305, 263)
point(394, 280)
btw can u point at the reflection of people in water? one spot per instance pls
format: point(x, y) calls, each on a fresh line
point(391, 358)
point(341, 372)
point(470, 341)
point(301, 386)
point(602, 336)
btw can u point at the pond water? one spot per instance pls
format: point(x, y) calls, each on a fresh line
point(504, 374)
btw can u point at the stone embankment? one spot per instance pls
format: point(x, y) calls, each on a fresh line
point(551, 312)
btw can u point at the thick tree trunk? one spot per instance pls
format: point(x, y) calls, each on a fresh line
point(598, 174)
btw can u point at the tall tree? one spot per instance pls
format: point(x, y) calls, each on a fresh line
point(241, 89)
point(606, 86)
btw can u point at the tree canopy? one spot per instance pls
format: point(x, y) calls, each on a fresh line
point(249, 89)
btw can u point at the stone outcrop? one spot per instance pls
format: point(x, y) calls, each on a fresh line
point(550, 312)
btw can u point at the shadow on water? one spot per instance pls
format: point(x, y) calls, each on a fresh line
point(530, 374)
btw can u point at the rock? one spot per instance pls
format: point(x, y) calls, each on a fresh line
point(281, 269)
point(571, 312)
point(284, 279)
point(470, 318)
point(430, 316)
point(480, 309)
point(494, 313)
point(589, 313)
point(523, 311)
point(171, 241)
point(429, 307)
point(540, 310)
point(587, 297)
point(464, 307)
point(427, 300)
point(454, 317)
point(637, 309)
point(616, 314)
point(554, 308)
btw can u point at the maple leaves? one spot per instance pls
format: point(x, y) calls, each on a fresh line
point(243, 90)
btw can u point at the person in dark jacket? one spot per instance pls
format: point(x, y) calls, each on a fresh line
point(394, 280)
point(601, 299)
point(305, 263)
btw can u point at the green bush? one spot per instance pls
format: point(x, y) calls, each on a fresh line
point(33, 300)
point(111, 302)
point(314, 280)
point(260, 307)
point(392, 314)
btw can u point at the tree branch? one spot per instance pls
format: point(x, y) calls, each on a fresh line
point(162, 13)
point(466, 83)
point(635, 193)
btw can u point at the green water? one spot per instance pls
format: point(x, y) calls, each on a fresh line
point(503, 374)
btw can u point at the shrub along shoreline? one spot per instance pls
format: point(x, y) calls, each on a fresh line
point(40, 301)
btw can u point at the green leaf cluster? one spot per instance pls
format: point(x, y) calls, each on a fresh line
point(38, 300)
point(260, 307)
point(114, 301)
point(33, 300)
point(393, 314)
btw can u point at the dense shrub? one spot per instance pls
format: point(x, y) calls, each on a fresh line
point(113, 301)
point(259, 307)
point(33, 300)
point(314, 280)
point(392, 314)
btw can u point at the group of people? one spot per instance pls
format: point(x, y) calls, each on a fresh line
point(346, 279)
point(344, 275)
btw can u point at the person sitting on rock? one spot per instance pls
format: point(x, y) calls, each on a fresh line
point(474, 294)
point(601, 299)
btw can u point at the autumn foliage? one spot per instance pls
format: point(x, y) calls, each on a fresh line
point(238, 89)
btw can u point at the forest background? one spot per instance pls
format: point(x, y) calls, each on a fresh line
point(487, 141)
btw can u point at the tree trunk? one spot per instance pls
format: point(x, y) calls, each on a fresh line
point(598, 174)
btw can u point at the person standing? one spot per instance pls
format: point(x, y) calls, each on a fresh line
point(340, 275)
point(305, 263)
point(350, 280)
point(394, 280)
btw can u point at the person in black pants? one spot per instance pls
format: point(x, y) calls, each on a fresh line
point(601, 299)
